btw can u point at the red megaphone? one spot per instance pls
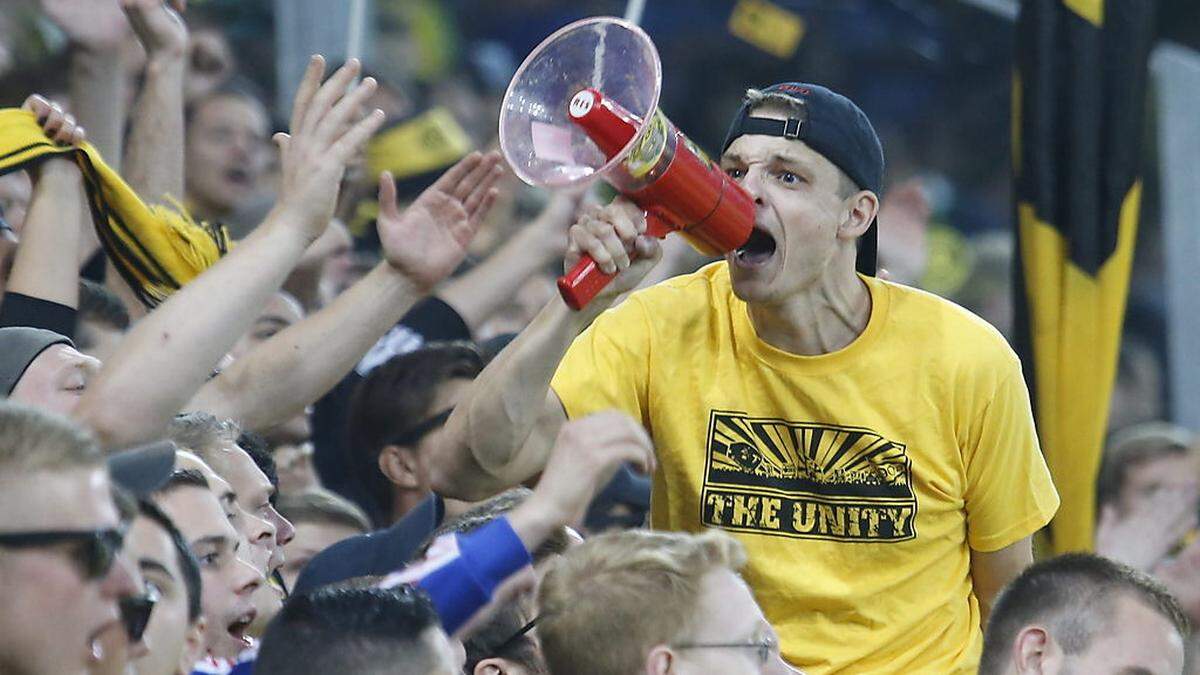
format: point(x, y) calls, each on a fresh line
point(675, 183)
point(583, 105)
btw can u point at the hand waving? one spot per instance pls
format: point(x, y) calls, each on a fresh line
point(327, 131)
point(158, 27)
point(92, 24)
point(586, 455)
point(426, 241)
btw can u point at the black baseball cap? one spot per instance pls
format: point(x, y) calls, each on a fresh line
point(142, 469)
point(833, 126)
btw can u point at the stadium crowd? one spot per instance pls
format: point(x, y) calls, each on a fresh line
point(272, 400)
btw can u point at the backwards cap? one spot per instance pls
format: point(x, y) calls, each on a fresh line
point(831, 125)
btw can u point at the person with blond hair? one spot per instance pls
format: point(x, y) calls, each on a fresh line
point(654, 602)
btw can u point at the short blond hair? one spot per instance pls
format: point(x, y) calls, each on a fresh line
point(605, 604)
point(33, 440)
point(203, 433)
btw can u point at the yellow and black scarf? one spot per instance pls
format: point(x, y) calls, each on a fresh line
point(155, 248)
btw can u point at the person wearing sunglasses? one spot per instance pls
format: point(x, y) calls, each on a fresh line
point(61, 562)
point(122, 643)
point(174, 631)
point(394, 424)
point(395, 419)
point(662, 603)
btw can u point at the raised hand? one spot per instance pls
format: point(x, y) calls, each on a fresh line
point(426, 241)
point(93, 24)
point(58, 124)
point(159, 27)
point(585, 457)
point(327, 131)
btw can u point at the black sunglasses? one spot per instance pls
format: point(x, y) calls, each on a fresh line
point(414, 434)
point(135, 613)
point(92, 550)
point(512, 639)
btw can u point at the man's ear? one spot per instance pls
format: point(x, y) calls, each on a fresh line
point(861, 209)
point(399, 465)
point(1032, 649)
point(660, 661)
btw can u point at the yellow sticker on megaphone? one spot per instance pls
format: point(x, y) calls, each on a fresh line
point(650, 147)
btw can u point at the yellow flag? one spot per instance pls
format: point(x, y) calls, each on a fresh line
point(1078, 99)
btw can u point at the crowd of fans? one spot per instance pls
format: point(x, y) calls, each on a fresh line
point(257, 393)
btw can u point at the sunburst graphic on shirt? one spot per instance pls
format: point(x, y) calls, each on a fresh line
point(807, 479)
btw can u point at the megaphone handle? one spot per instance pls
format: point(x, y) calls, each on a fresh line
point(586, 279)
point(582, 283)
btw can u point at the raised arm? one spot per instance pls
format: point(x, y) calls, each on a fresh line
point(97, 81)
point(154, 159)
point(169, 354)
point(478, 293)
point(45, 267)
point(502, 432)
point(421, 246)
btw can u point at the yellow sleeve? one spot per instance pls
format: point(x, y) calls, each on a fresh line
point(607, 366)
point(1009, 492)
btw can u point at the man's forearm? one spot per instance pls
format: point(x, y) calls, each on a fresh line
point(154, 162)
point(298, 365)
point(52, 228)
point(490, 442)
point(477, 294)
point(98, 88)
point(170, 353)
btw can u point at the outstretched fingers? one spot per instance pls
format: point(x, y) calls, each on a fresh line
point(480, 212)
point(480, 190)
point(449, 181)
point(329, 94)
point(345, 113)
point(353, 140)
point(307, 89)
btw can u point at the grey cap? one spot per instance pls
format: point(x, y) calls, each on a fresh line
point(19, 346)
point(143, 469)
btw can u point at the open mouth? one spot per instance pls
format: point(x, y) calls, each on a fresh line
point(238, 628)
point(757, 250)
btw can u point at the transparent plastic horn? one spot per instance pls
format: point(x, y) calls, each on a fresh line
point(537, 137)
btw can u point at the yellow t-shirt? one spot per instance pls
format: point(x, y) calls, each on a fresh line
point(856, 480)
